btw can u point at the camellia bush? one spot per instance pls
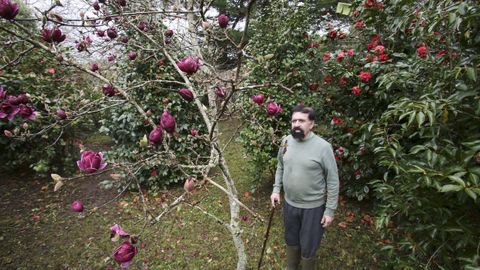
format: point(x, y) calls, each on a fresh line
point(398, 98)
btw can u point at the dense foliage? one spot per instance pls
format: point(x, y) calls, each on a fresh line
point(399, 101)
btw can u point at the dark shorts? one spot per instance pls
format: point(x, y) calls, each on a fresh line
point(303, 228)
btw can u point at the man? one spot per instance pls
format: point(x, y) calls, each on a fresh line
point(307, 171)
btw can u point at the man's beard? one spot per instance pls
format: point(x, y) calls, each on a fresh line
point(298, 133)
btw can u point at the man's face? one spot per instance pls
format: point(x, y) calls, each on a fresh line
point(301, 125)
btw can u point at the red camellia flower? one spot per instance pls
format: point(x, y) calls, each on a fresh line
point(356, 90)
point(326, 56)
point(359, 24)
point(8, 10)
point(350, 52)
point(186, 94)
point(124, 254)
point(258, 99)
point(332, 34)
point(365, 76)
point(379, 49)
point(91, 162)
point(440, 53)
point(342, 80)
point(313, 86)
point(313, 44)
point(355, 13)
point(167, 122)
point(336, 121)
point(273, 108)
point(77, 206)
point(422, 51)
point(340, 56)
point(156, 135)
point(189, 65)
point(384, 57)
point(223, 21)
point(341, 35)
point(327, 79)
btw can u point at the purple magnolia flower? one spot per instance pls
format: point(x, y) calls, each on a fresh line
point(194, 132)
point(167, 122)
point(258, 99)
point(108, 90)
point(117, 230)
point(77, 206)
point(111, 57)
point(94, 67)
point(61, 114)
point(156, 135)
point(220, 92)
point(169, 33)
point(26, 112)
point(100, 33)
point(273, 108)
point(186, 94)
point(112, 33)
point(124, 253)
point(8, 110)
point(223, 20)
point(96, 5)
point(3, 93)
point(142, 26)
point(132, 55)
point(189, 64)
point(124, 39)
point(91, 162)
point(53, 35)
point(8, 10)
point(122, 2)
point(17, 100)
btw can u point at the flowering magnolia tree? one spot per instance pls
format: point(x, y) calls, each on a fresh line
point(153, 69)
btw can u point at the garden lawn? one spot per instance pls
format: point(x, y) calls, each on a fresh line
point(39, 231)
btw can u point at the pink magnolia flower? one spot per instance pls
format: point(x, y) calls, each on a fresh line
point(124, 253)
point(189, 65)
point(168, 33)
point(94, 67)
point(186, 94)
point(3, 93)
point(273, 108)
point(194, 132)
point(112, 33)
point(53, 35)
point(91, 162)
point(8, 10)
point(223, 21)
point(156, 135)
point(77, 206)
point(189, 185)
point(61, 114)
point(220, 91)
point(167, 122)
point(258, 99)
point(117, 231)
point(96, 5)
point(26, 112)
point(132, 55)
point(109, 90)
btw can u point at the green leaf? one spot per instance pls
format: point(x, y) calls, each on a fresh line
point(470, 193)
point(471, 73)
point(448, 188)
point(457, 180)
point(420, 118)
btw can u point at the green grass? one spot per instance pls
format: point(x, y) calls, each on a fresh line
point(184, 239)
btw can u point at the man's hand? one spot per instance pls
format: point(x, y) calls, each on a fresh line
point(275, 199)
point(326, 220)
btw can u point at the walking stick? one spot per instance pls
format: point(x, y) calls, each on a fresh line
point(266, 237)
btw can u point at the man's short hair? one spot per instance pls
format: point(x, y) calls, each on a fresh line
point(312, 115)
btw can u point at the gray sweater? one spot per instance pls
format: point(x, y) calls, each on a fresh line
point(304, 166)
